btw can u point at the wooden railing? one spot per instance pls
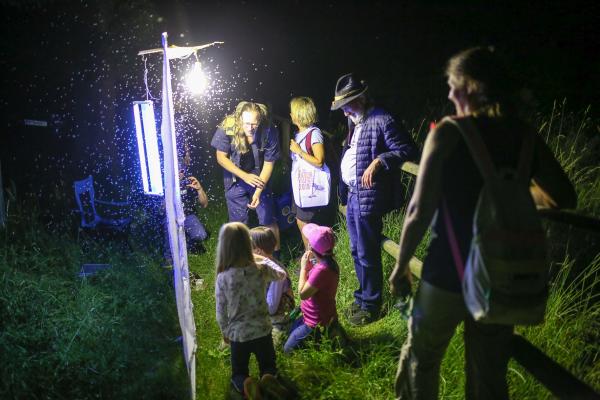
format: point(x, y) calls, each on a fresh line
point(554, 377)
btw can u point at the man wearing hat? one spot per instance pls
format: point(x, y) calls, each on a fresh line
point(375, 146)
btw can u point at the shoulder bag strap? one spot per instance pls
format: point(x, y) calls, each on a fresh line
point(458, 262)
point(526, 157)
point(476, 146)
point(308, 143)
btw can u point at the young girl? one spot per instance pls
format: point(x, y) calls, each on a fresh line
point(317, 286)
point(242, 312)
point(280, 297)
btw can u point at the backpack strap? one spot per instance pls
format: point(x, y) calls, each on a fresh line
point(476, 146)
point(526, 157)
point(458, 262)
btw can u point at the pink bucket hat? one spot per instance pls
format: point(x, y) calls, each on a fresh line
point(321, 238)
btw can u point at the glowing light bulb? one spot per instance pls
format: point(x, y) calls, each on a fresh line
point(196, 81)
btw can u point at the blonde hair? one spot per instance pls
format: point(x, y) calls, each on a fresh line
point(234, 248)
point(485, 79)
point(263, 238)
point(303, 111)
point(232, 124)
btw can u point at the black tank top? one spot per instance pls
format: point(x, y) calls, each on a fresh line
point(461, 184)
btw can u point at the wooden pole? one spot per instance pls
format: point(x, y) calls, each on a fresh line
point(546, 371)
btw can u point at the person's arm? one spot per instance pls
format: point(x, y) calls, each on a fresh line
point(250, 179)
point(424, 200)
point(551, 188)
point(221, 307)
point(265, 175)
point(274, 293)
point(400, 148)
point(305, 289)
point(270, 270)
point(318, 157)
point(195, 184)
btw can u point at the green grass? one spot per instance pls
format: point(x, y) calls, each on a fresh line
point(115, 335)
point(367, 370)
point(569, 334)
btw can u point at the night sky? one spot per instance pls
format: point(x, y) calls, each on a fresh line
point(74, 65)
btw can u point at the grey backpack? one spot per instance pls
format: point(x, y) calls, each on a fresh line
point(506, 272)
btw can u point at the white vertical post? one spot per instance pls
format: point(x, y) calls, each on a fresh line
point(175, 220)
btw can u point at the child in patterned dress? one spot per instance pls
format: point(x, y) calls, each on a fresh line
point(241, 309)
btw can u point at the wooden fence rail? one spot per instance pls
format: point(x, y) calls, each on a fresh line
point(554, 377)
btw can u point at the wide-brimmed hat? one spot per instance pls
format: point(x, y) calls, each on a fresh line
point(320, 238)
point(347, 88)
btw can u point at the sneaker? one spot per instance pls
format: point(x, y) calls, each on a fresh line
point(353, 309)
point(251, 389)
point(273, 388)
point(363, 317)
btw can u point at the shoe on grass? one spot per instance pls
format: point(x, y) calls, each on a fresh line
point(351, 310)
point(271, 387)
point(251, 389)
point(363, 317)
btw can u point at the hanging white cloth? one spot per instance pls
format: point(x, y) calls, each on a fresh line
point(175, 219)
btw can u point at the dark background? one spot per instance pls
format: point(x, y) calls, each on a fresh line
point(74, 64)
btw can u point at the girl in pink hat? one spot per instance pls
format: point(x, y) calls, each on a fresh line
point(317, 286)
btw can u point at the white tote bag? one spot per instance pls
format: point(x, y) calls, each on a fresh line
point(311, 185)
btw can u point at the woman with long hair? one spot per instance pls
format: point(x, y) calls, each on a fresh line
point(449, 181)
point(247, 146)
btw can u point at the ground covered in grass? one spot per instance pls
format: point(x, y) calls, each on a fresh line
point(114, 335)
point(366, 369)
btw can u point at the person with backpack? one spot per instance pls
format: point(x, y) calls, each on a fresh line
point(308, 161)
point(247, 146)
point(476, 173)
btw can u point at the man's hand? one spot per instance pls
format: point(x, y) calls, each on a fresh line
point(295, 147)
point(225, 340)
point(400, 281)
point(255, 201)
point(367, 178)
point(253, 180)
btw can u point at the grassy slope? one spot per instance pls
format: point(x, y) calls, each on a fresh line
point(569, 335)
point(114, 336)
point(109, 336)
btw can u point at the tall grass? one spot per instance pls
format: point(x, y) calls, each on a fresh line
point(116, 335)
point(574, 138)
point(108, 336)
point(366, 369)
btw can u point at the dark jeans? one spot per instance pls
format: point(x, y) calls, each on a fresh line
point(365, 245)
point(240, 357)
point(240, 194)
point(299, 333)
point(195, 233)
